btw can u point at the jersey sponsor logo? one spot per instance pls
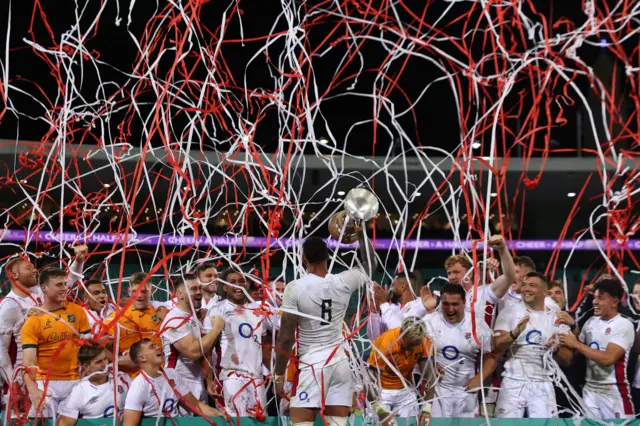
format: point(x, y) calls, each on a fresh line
point(71, 318)
point(93, 400)
point(594, 345)
point(55, 337)
point(304, 396)
point(450, 352)
point(108, 412)
point(168, 405)
point(245, 330)
point(47, 324)
point(534, 337)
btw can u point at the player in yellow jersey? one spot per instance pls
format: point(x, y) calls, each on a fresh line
point(50, 344)
point(139, 321)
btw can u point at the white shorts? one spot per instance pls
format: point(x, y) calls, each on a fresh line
point(284, 402)
point(455, 403)
point(612, 403)
point(337, 390)
point(402, 402)
point(516, 396)
point(244, 396)
point(57, 390)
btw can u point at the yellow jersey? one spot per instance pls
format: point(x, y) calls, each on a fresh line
point(55, 335)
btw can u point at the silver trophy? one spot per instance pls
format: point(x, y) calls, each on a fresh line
point(360, 205)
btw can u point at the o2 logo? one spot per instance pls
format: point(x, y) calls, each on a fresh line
point(168, 405)
point(594, 345)
point(109, 411)
point(245, 330)
point(450, 353)
point(534, 337)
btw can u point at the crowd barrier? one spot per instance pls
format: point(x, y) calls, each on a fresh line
point(357, 421)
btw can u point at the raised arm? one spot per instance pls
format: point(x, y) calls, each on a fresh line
point(368, 257)
point(75, 268)
point(501, 285)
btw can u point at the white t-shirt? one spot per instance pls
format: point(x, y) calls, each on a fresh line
point(241, 339)
point(525, 356)
point(177, 325)
point(597, 334)
point(99, 316)
point(13, 313)
point(324, 302)
point(455, 347)
point(91, 402)
point(148, 394)
point(486, 301)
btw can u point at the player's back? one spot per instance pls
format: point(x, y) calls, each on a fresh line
point(323, 303)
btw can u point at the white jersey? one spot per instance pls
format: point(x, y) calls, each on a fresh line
point(241, 339)
point(512, 298)
point(598, 334)
point(324, 302)
point(486, 301)
point(94, 316)
point(455, 347)
point(207, 306)
point(13, 313)
point(177, 325)
point(391, 316)
point(156, 397)
point(525, 356)
point(89, 401)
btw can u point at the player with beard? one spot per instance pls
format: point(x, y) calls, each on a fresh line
point(184, 348)
point(93, 397)
point(158, 392)
point(208, 278)
point(242, 355)
point(605, 341)
point(527, 331)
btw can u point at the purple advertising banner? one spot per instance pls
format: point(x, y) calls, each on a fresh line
point(20, 236)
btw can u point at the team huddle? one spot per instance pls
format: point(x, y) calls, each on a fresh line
point(219, 347)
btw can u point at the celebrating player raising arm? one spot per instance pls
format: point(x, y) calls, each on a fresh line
point(157, 392)
point(321, 299)
point(605, 340)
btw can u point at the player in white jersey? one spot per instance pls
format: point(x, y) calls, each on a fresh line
point(208, 278)
point(95, 302)
point(390, 315)
point(316, 305)
point(459, 272)
point(158, 392)
point(184, 348)
point(93, 396)
point(241, 348)
point(457, 354)
point(528, 333)
point(605, 341)
point(524, 265)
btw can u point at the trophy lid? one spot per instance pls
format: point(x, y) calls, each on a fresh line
point(361, 204)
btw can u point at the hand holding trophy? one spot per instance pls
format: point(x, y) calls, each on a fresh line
point(360, 205)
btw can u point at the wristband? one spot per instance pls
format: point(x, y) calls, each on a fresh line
point(426, 408)
point(575, 325)
point(278, 378)
point(513, 336)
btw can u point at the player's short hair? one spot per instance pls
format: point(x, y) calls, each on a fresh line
point(13, 264)
point(539, 275)
point(556, 283)
point(451, 288)
point(180, 282)
point(413, 329)
point(88, 353)
point(134, 351)
point(457, 258)
point(315, 250)
point(137, 278)
point(412, 278)
point(204, 266)
point(84, 289)
point(612, 287)
point(48, 273)
point(525, 262)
